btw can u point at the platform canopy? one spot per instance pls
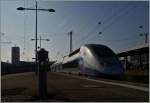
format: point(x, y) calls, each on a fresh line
point(139, 49)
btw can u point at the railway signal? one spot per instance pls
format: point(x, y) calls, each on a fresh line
point(42, 56)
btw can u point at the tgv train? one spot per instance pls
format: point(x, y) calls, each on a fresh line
point(90, 59)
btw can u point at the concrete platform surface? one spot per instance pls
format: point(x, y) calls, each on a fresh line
point(67, 87)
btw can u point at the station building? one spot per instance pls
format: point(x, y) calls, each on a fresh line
point(136, 57)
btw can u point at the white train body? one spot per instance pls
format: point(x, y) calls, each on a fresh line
point(90, 59)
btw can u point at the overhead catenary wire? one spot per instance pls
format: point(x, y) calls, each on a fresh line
point(109, 18)
point(101, 21)
point(132, 31)
point(117, 18)
point(25, 29)
point(70, 23)
point(129, 42)
point(24, 32)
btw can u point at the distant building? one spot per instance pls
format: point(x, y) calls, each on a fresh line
point(15, 54)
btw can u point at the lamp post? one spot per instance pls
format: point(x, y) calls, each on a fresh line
point(41, 90)
point(36, 9)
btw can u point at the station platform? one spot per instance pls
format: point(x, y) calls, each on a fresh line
point(71, 88)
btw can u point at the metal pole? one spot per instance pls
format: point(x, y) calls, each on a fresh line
point(40, 41)
point(71, 40)
point(0, 43)
point(146, 37)
point(41, 89)
point(36, 35)
point(70, 34)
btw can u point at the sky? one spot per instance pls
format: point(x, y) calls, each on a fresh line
point(118, 22)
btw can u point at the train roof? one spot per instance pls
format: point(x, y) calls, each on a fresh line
point(74, 52)
point(87, 45)
point(95, 45)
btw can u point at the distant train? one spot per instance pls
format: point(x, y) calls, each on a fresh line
point(90, 59)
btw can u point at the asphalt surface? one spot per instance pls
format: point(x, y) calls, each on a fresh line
point(73, 88)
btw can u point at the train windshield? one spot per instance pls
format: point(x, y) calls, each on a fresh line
point(102, 51)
